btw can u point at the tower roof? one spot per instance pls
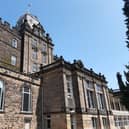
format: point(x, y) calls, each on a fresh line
point(31, 20)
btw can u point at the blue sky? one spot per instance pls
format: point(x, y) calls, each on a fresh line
point(90, 30)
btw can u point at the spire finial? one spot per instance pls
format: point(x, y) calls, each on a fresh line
point(29, 7)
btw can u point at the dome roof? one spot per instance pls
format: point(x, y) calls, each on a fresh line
point(31, 20)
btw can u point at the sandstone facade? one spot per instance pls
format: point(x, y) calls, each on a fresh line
point(40, 91)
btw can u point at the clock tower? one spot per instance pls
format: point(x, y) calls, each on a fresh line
point(37, 46)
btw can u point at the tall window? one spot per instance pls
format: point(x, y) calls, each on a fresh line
point(117, 104)
point(48, 122)
point(69, 85)
point(121, 121)
point(101, 101)
point(1, 95)
point(44, 58)
point(95, 123)
point(26, 99)
point(101, 98)
point(35, 67)
point(13, 60)
point(34, 54)
point(34, 44)
point(73, 122)
point(44, 48)
point(14, 43)
point(90, 94)
point(105, 123)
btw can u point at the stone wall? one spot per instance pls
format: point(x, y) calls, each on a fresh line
point(53, 91)
point(6, 49)
point(12, 116)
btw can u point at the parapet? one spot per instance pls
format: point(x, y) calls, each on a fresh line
point(7, 26)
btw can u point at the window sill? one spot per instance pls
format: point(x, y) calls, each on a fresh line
point(102, 111)
point(26, 112)
point(92, 110)
point(2, 111)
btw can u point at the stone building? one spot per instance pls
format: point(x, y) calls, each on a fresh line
point(22, 49)
point(40, 91)
point(78, 98)
point(25, 46)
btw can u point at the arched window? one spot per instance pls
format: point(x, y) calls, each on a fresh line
point(26, 99)
point(1, 95)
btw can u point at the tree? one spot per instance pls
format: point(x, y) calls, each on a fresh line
point(124, 86)
point(124, 90)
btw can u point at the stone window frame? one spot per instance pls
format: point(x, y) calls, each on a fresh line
point(69, 85)
point(101, 101)
point(73, 121)
point(3, 97)
point(100, 96)
point(34, 44)
point(30, 99)
point(44, 58)
point(90, 89)
point(121, 120)
point(35, 68)
point(14, 43)
point(34, 54)
point(44, 48)
point(95, 122)
point(13, 60)
point(105, 122)
point(48, 122)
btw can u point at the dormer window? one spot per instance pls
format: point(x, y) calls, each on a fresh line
point(14, 43)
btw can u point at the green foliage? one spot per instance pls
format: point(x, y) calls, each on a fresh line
point(124, 86)
point(124, 89)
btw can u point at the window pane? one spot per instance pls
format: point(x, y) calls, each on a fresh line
point(44, 58)
point(34, 54)
point(48, 122)
point(95, 123)
point(44, 49)
point(99, 88)
point(69, 84)
point(89, 84)
point(101, 101)
point(26, 99)
point(73, 122)
point(1, 95)
point(1, 84)
point(26, 89)
point(1, 98)
point(105, 123)
point(35, 67)
point(91, 100)
point(26, 102)
point(13, 60)
point(14, 43)
point(34, 43)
